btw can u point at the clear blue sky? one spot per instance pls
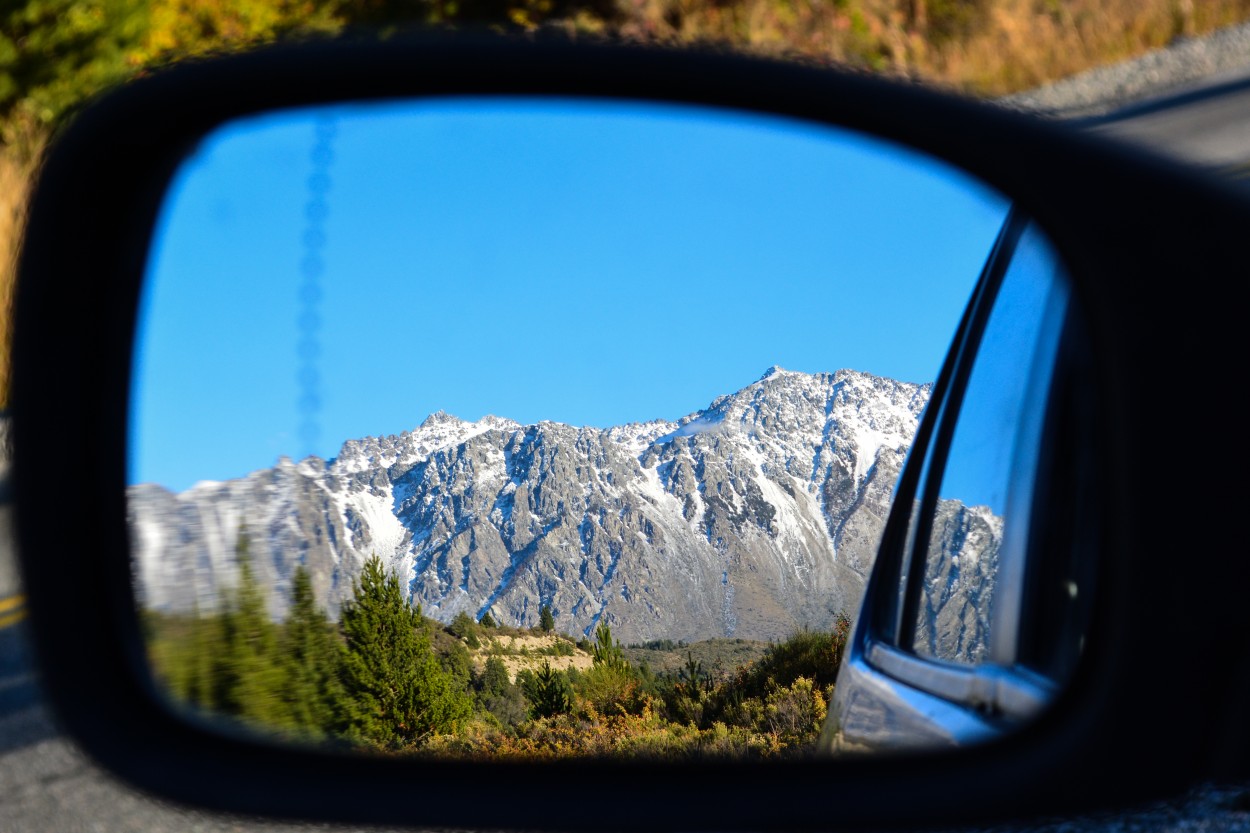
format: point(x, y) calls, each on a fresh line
point(587, 262)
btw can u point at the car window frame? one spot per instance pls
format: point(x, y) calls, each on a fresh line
point(1001, 688)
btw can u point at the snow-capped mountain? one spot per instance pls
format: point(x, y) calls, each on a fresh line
point(754, 516)
point(961, 572)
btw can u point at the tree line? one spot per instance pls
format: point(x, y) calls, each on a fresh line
point(386, 678)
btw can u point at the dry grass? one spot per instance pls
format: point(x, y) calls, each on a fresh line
point(983, 47)
point(19, 159)
point(527, 651)
point(1027, 43)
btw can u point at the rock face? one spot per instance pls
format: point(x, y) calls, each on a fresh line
point(757, 515)
point(961, 572)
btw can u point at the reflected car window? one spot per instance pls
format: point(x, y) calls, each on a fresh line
point(991, 458)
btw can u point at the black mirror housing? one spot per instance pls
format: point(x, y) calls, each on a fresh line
point(1155, 252)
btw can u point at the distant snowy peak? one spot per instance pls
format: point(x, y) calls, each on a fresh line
point(786, 404)
point(437, 432)
point(780, 398)
point(755, 515)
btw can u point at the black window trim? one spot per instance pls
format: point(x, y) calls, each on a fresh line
point(1068, 477)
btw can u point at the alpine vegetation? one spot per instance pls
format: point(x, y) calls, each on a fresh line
point(386, 679)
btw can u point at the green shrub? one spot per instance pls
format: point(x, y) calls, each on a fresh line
point(610, 689)
point(795, 713)
point(464, 627)
point(548, 692)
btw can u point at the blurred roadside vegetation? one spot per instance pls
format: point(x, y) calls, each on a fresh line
point(56, 54)
point(383, 678)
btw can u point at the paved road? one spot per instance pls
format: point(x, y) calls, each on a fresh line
point(1207, 124)
point(47, 785)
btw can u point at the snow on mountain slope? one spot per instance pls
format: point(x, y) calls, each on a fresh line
point(754, 516)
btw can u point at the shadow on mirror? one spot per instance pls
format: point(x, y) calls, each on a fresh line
point(539, 427)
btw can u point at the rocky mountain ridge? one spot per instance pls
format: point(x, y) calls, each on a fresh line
point(756, 515)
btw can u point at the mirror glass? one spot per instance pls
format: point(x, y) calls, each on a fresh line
point(531, 427)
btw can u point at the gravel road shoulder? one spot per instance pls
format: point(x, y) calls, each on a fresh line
point(1221, 56)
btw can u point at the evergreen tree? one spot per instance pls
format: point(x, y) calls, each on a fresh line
point(494, 679)
point(206, 677)
point(549, 692)
point(611, 684)
point(454, 659)
point(607, 651)
point(395, 692)
point(546, 622)
point(251, 679)
point(310, 656)
point(693, 679)
point(183, 656)
point(500, 696)
point(464, 627)
point(487, 621)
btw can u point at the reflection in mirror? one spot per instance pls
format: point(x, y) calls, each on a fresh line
point(461, 426)
point(987, 480)
point(980, 609)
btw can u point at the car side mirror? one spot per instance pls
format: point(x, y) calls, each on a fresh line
point(114, 350)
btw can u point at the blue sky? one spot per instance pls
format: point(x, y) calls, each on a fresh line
point(587, 262)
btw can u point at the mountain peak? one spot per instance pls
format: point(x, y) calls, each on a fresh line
point(440, 417)
point(775, 370)
point(493, 421)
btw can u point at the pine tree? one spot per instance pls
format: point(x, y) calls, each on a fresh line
point(205, 682)
point(181, 657)
point(494, 679)
point(395, 692)
point(464, 627)
point(500, 696)
point(693, 678)
point(546, 622)
point(251, 678)
point(549, 692)
point(310, 656)
point(607, 651)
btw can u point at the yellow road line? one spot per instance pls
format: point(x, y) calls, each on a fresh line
point(12, 603)
point(12, 619)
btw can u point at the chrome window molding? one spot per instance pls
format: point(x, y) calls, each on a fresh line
point(993, 690)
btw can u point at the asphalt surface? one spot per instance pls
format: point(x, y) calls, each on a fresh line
point(1207, 125)
point(46, 784)
point(1190, 101)
point(1197, 108)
